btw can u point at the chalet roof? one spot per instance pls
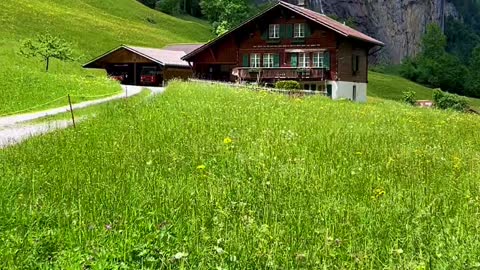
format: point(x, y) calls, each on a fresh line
point(331, 24)
point(321, 19)
point(161, 56)
point(187, 48)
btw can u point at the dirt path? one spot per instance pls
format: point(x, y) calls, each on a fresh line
point(128, 91)
point(13, 130)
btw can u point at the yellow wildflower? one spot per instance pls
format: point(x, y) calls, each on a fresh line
point(227, 140)
point(201, 167)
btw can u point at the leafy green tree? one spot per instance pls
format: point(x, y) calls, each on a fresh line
point(461, 39)
point(148, 3)
point(434, 42)
point(434, 66)
point(226, 14)
point(473, 81)
point(47, 47)
point(168, 6)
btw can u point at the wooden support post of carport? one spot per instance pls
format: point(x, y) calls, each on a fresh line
point(134, 70)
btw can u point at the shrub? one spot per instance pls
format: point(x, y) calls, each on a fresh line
point(288, 85)
point(409, 97)
point(446, 101)
point(409, 69)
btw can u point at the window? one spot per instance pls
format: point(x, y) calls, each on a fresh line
point(318, 59)
point(303, 60)
point(274, 31)
point(268, 60)
point(299, 30)
point(354, 93)
point(255, 60)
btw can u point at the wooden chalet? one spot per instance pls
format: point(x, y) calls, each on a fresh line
point(145, 66)
point(290, 42)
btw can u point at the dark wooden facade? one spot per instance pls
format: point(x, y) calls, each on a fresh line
point(229, 57)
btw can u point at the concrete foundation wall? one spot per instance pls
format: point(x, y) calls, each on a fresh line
point(345, 90)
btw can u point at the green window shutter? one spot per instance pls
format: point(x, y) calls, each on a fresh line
point(245, 60)
point(276, 60)
point(289, 33)
point(326, 60)
point(307, 30)
point(283, 30)
point(293, 60)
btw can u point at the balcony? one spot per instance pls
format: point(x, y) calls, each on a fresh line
point(280, 73)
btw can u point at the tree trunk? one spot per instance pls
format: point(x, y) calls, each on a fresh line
point(48, 63)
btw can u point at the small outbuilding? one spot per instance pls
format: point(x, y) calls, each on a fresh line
point(144, 66)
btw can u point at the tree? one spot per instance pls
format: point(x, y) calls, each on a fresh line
point(434, 42)
point(148, 3)
point(473, 80)
point(47, 47)
point(226, 14)
point(434, 66)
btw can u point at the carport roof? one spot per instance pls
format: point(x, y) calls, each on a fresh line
point(161, 56)
point(187, 48)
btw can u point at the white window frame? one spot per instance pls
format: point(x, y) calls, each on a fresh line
point(268, 60)
point(318, 59)
point(299, 30)
point(274, 31)
point(303, 60)
point(255, 60)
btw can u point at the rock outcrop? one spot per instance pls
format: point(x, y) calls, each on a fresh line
point(400, 24)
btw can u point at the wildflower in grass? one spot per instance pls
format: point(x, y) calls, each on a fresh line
point(378, 193)
point(180, 255)
point(201, 167)
point(108, 227)
point(227, 140)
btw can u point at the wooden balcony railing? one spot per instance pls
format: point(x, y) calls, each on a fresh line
point(246, 73)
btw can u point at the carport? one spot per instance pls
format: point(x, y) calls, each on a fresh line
point(142, 66)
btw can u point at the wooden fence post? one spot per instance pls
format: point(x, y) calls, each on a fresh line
point(71, 111)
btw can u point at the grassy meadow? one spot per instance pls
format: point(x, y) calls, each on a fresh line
point(92, 27)
point(205, 177)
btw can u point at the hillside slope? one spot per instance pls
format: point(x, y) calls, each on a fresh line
point(391, 87)
point(92, 27)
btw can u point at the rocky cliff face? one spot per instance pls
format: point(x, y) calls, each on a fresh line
point(400, 24)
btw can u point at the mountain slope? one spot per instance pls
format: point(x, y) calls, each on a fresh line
point(92, 27)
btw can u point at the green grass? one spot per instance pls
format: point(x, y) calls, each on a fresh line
point(92, 27)
point(303, 184)
point(392, 87)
